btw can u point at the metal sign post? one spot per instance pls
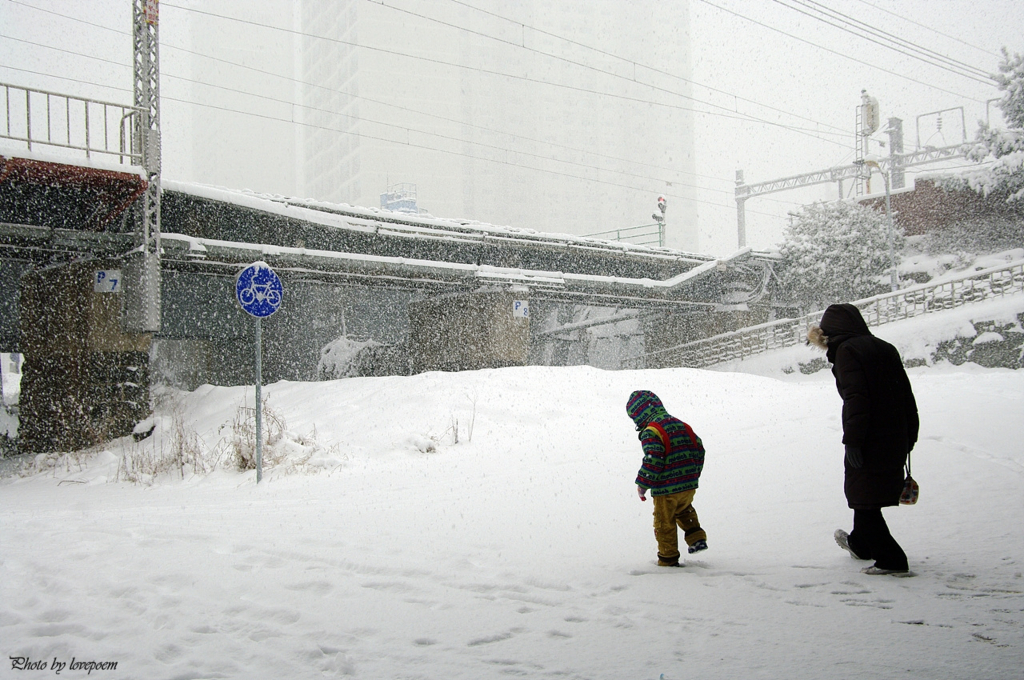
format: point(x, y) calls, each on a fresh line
point(259, 291)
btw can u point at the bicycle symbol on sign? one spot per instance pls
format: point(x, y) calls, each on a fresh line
point(258, 290)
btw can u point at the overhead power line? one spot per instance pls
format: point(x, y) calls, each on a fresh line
point(411, 144)
point(462, 140)
point(839, 54)
point(518, 137)
point(464, 155)
point(730, 113)
point(72, 80)
point(546, 143)
point(405, 129)
point(538, 81)
point(885, 39)
point(410, 130)
point(631, 62)
point(929, 28)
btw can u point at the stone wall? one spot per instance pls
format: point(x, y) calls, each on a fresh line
point(996, 345)
point(931, 208)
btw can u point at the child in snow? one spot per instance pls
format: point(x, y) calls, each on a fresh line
point(673, 459)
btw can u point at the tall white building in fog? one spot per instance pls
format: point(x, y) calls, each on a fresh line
point(567, 117)
point(228, 109)
point(540, 122)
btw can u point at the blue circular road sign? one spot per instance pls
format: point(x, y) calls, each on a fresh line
point(259, 290)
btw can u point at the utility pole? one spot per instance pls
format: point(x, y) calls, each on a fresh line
point(866, 124)
point(742, 193)
point(869, 163)
point(895, 132)
point(142, 275)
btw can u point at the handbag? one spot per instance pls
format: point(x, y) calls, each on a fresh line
point(911, 489)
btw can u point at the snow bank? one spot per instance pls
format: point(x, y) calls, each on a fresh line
point(484, 524)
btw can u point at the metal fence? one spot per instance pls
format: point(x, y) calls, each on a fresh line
point(643, 235)
point(926, 298)
point(50, 119)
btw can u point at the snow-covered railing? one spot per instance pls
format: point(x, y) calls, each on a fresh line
point(642, 235)
point(40, 118)
point(903, 304)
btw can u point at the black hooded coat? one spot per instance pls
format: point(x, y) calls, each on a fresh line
point(879, 411)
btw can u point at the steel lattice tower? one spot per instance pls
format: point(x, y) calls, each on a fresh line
point(144, 264)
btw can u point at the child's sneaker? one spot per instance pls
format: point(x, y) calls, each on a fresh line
point(843, 541)
point(698, 546)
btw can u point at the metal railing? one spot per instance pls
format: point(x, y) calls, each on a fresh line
point(903, 304)
point(51, 119)
point(642, 235)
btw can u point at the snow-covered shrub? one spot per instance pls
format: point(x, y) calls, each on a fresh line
point(56, 462)
point(282, 448)
point(451, 435)
point(243, 436)
point(165, 444)
point(836, 252)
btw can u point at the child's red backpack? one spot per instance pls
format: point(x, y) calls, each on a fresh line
point(666, 440)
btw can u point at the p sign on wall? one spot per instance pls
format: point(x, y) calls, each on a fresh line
point(106, 281)
point(520, 309)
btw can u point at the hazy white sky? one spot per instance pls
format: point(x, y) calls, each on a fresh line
point(769, 60)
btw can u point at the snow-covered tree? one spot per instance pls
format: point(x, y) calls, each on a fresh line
point(1011, 81)
point(836, 252)
point(1002, 150)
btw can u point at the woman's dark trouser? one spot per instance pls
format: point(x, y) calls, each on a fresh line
point(871, 539)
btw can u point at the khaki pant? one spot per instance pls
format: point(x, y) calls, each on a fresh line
point(671, 510)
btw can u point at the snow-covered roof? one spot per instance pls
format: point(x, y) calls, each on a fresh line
point(98, 160)
point(345, 216)
point(199, 248)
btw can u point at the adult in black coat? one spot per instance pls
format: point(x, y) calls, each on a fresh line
point(880, 427)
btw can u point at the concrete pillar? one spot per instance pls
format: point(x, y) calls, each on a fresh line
point(84, 379)
point(469, 331)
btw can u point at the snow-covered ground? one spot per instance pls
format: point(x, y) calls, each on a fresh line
point(393, 551)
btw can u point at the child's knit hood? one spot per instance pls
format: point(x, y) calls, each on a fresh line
point(645, 406)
